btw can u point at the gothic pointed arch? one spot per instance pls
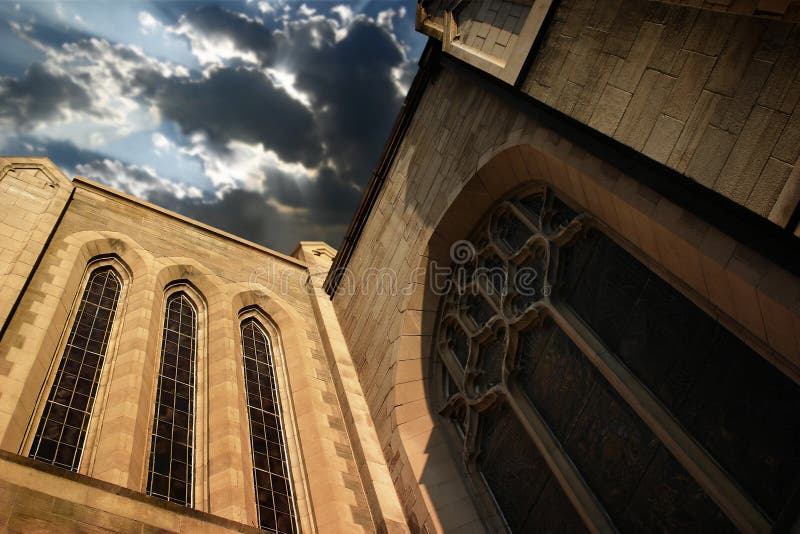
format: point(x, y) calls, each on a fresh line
point(275, 503)
point(61, 433)
point(542, 373)
point(176, 452)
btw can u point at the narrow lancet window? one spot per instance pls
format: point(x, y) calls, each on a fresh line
point(60, 437)
point(169, 474)
point(270, 467)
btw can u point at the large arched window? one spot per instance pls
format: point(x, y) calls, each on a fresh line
point(272, 479)
point(586, 390)
point(61, 434)
point(171, 461)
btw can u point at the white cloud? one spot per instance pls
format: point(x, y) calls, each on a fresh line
point(283, 79)
point(384, 18)
point(305, 11)
point(345, 13)
point(139, 181)
point(212, 51)
point(244, 166)
point(160, 143)
point(148, 22)
point(400, 79)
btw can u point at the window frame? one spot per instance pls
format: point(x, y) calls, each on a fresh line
point(94, 427)
point(720, 486)
point(199, 472)
point(298, 476)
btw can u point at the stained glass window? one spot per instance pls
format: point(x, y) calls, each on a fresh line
point(60, 437)
point(170, 472)
point(270, 466)
point(518, 358)
point(737, 405)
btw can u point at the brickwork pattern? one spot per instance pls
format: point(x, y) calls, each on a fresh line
point(491, 27)
point(712, 95)
point(357, 420)
point(32, 195)
point(456, 132)
point(158, 249)
point(36, 498)
point(788, 10)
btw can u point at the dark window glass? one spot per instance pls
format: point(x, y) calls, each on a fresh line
point(270, 467)
point(738, 406)
point(519, 478)
point(62, 429)
point(617, 454)
point(170, 473)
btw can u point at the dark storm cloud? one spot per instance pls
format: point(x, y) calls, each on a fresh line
point(63, 153)
point(351, 88)
point(327, 197)
point(349, 82)
point(39, 95)
point(352, 81)
point(286, 189)
point(248, 215)
point(214, 21)
point(347, 71)
point(333, 200)
point(243, 105)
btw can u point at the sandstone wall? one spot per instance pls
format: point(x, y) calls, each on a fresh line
point(712, 95)
point(153, 249)
point(461, 132)
point(33, 194)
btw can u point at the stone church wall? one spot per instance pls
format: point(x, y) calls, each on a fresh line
point(33, 194)
point(465, 149)
point(709, 94)
point(152, 249)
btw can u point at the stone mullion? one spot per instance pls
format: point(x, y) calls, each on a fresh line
point(569, 478)
point(229, 492)
point(694, 458)
point(115, 453)
point(558, 461)
point(451, 365)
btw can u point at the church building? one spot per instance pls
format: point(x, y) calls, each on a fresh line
point(568, 301)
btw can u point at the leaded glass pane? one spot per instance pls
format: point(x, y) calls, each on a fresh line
point(457, 342)
point(270, 465)
point(559, 214)
point(509, 231)
point(529, 280)
point(554, 374)
point(60, 437)
point(170, 472)
point(493, 274)
point(478, 309)
point(517, 474)
point(490, 355)
point(741, 408)
point(613, 449)
point(532, 205)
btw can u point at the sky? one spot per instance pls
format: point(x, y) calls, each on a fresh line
point(264, 118)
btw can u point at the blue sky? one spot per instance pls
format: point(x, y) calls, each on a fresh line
point(263, 118)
